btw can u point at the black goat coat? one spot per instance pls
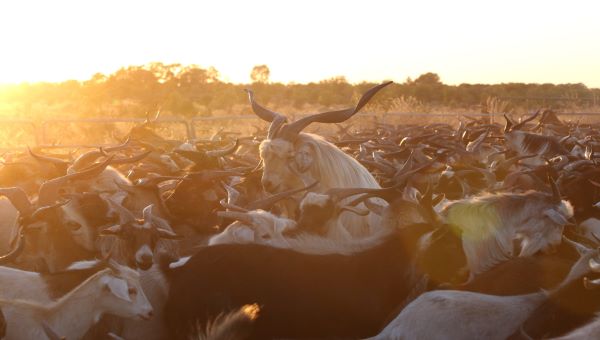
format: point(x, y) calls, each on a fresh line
point(300, 295)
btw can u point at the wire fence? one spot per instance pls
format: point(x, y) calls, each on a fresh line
point(95, 132)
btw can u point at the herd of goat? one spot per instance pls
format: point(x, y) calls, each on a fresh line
point(479, 231)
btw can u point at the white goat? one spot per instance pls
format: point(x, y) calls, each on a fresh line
point(262, 227)
point(490, 224)
point(255, 226)
point(292, 159)
point(448, 314)
point(331, 167)
point(115, 290)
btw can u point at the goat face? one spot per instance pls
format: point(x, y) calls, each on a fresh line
point(547, 236)
point(82, 216)
point(123, 294)
point(49, 244)
point(283, 164)
point(195, 200)
point(140, 239)
point(315, 211)
point(255, 226)
point(401, 213)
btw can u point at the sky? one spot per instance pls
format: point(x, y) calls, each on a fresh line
point(303, 41)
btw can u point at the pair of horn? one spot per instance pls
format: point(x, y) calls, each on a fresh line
point(265, 203)
point(280, 128)
point(125, 216)
point(511, 126)
point(49, 191)
point(202, 157)
point(87, 159)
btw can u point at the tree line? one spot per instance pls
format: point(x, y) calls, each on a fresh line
point(190, 90)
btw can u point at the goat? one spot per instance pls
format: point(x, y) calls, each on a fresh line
point(318, 215)
point(194, 199)
point(567, 308)
point(461, 315)
point(490, 223)
point(525, 143)
point(305, 295)
point(115, 290)
point(134, 241)
point(524, 275)
point(292, 158)
point(40, 222)
point(468, 315)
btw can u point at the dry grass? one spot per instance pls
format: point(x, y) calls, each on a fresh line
point(412, 112)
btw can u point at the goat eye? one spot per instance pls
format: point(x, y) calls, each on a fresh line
point(132, 291)
point(73, 225)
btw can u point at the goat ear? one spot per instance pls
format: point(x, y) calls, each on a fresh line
point(358, 211)
point(116, 230)
point(168, 235)
point(555, 216)
point(304, 157)
point(118, 287)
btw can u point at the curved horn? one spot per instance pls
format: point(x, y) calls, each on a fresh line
point(509, 124)
point(401, 178)
point(167, 234)
point(267, 203)
point(277, 120)
point(39, 212)
point(147, 213)
point(290, 131)
point(211, 175)
point(236, 215)
point(474, 145)
point(49, 190)
point(132, 159)
point(153, 182)
point(123, 146)
point(47, 159)
point(198, 157)
point(339, 194)
point(85, 160)
point(158, 222)
point(224, 152)
point(518, 126)
point(506, 164)
point(581, 249)
point(262, 112)
point(19, 199)
point(232, 194)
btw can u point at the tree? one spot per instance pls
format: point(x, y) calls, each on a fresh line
point(428, 78)
point(260, 74)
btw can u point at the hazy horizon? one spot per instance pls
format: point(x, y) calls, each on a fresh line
point(463, 41)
